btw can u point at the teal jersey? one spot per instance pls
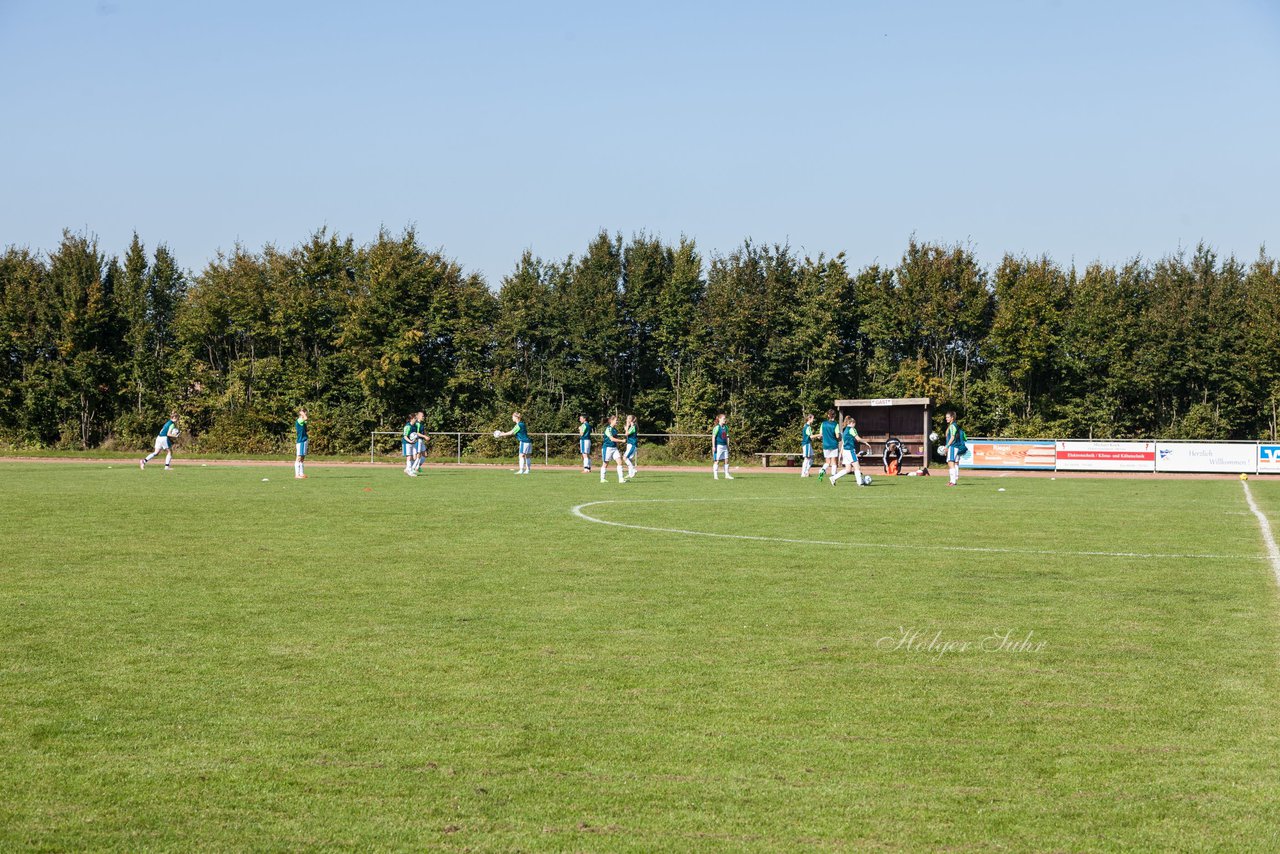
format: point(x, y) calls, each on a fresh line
point(610, 437)
point(164, 431)
point(420, 427)
point(830, 436)
point(522, 435)
point(300, 427)
point(584, 430)
point(850, 439)
point(720, 436)
point(953, 433)
point(806, 436)
point(633, 437)
point(408, 428)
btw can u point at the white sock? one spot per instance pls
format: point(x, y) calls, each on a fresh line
point(149, 457)
point(838, 475)
point(168, 458)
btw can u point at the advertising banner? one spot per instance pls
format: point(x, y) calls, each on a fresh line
point(1269, 459)
point(1009, 454)
point(1107, 456)
point(1207, 457)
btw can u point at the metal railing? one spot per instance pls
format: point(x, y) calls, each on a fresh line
point(546, 439)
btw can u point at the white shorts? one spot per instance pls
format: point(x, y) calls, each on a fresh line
point(831, 453)
point(629, 453)
point(584, 446)
point(421, 446)
point(720, 452)
point(526, 449)
point(611, 454)
point(846, 457)
point(162, 443)
point(806, 451)
point(953, 454)
point(301, 447)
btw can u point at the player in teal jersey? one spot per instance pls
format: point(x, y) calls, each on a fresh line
point(849, 452)
point(720, 447)
point(420, 447)
point(300, 445)
point(955, 448)
point(408, 442)
point(584, 442)
point(524, 446)
point(806, 446)
point(633, 441)
point(609, 449)
point(830, 444)
point(164, 442)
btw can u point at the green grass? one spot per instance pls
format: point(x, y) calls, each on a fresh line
point(203, 660)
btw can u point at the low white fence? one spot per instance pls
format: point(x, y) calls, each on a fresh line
point(546, 441)
point(1162, 455)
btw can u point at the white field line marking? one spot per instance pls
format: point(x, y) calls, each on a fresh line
point(579, 509)
point(1273, 553)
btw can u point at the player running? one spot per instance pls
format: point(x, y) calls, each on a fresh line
point(955, 448)
point(609, 449)
point(720, 447)
point(584, 442)
point(849, 452)
point(806, 446)
point(524, 445)
point(830, 444)
point(163, 443)
point(300, 434)
point(633, 440)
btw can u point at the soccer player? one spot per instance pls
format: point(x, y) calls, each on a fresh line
point(720, 447)
point(163, 443)
point(420, 448)
point(524, 445)
point(955, 448)
point(830, 444)
point(806, 446)
point(609, 449)
point(849, 453)
point(300, 431)
point(408, 443)
point(584, 442)
point(633, 439)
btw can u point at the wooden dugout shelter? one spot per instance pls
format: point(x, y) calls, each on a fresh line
point(907, 418)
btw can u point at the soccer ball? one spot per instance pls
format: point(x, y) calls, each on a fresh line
point(497, 434)
point(413, 437)
point(942, 452)
point(173, 432)
point(1244, 476)
point(866, 480)
point(933, 437)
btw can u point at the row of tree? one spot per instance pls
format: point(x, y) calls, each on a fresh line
point(97, 348)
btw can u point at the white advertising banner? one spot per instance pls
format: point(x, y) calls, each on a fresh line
point(1268, 458)
point(1106, 456)
point(1207, 456)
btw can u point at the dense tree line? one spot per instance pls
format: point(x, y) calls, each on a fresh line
point(96, 348)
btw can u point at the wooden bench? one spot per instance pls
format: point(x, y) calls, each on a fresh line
point(788, 455)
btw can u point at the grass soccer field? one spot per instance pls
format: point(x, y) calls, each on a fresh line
point(204, 660)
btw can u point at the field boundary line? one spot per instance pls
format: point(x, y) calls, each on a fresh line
point(1268, 538)
point(579, 511)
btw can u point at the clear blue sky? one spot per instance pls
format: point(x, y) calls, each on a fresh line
point(1088, 130)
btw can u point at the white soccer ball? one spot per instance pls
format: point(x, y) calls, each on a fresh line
point(173, 432)
point(413, 437)
point(933, 437)
point(497, 434)
point(866, 480)
point(942, 452)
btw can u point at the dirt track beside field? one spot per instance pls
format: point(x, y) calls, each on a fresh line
point(772, 470)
